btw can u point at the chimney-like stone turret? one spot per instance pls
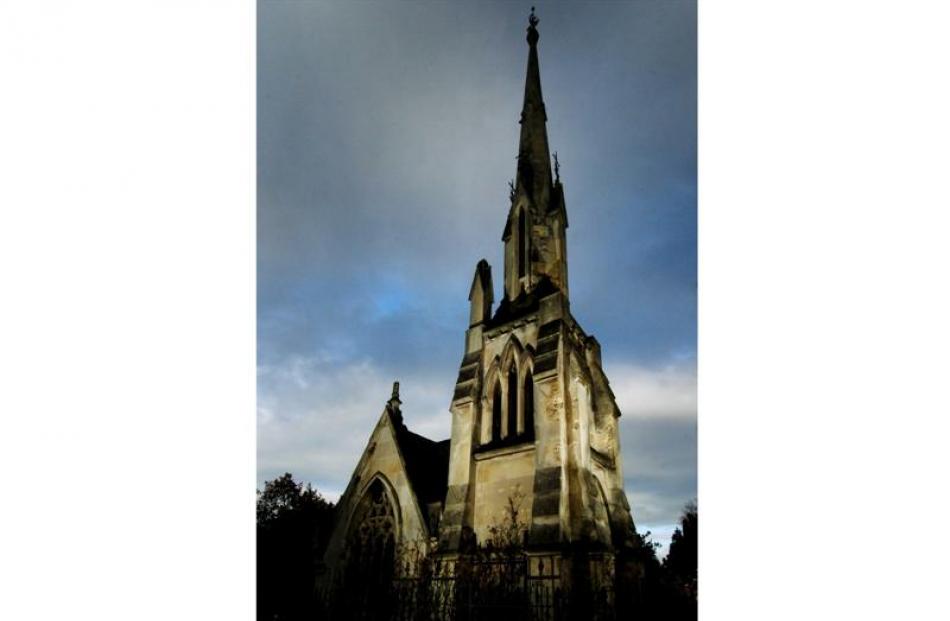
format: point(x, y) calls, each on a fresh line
point(481, 295)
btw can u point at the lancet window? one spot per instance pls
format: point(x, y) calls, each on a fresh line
point(512, 404)
point(527, 404)
point(522, 243)
point(496, 413)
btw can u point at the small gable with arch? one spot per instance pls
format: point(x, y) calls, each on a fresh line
point(394, 497)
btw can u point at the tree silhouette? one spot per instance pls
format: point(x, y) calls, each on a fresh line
point(682, 557)
point(293, 526)
point(680, 566)
point(663, 591)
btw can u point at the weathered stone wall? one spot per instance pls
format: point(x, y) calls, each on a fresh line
point(499, 479)
point(549, 259)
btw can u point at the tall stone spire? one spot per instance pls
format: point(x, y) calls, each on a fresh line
point(534, 159)
point(534, 236)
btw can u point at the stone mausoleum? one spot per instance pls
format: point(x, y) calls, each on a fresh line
point(534, 421)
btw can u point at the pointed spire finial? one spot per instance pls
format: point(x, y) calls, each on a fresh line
point(534, 176)
point(392, 407)
point(532, 30)
point(394, 401)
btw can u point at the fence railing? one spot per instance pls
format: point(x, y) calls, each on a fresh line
point(522, 587)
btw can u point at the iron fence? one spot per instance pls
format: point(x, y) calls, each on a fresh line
point(522, 587)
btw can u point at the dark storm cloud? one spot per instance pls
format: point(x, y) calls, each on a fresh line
point(386, 137)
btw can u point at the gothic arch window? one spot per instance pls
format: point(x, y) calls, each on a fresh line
point(371, 540)
point(527, 401)
point(508, 414)
point(496, 412)
point(512, 401)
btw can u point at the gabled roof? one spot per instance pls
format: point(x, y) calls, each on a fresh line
point(427, 465)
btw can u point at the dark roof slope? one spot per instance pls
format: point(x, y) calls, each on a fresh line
point(427, 464)
point(524, 304)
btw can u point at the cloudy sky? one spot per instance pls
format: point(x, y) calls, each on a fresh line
point(387, 133)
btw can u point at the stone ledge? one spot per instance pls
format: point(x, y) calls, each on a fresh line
point(504, 450)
